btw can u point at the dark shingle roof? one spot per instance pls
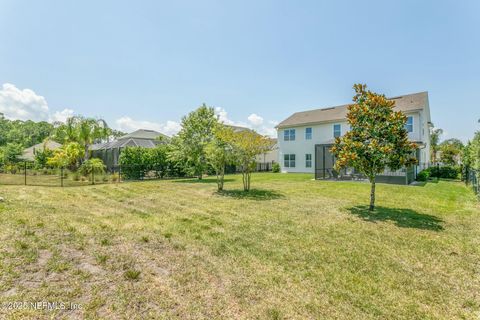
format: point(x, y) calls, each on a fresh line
point(143, 134)
point(409, 102)
point(146, 143)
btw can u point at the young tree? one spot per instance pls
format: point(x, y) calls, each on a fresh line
point(219, 152)
point(68, 156)
point(246, 146)
point(90, 166)
point(190, 143)
point(435, 134)
point(377, 138)
point(451, 151)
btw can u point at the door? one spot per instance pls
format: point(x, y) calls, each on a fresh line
point(324, 161)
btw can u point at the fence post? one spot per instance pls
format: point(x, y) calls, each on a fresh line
point(120, 173)
point(61, 177)
point(93, 177)
point(25, 171)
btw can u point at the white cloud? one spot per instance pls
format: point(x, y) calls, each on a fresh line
point(255, 119)
point(128, 124)
point(61, 115)
point(17, 104)
point(255, 122)
point(22, 104)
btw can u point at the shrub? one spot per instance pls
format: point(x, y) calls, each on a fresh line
point(445, 172)
point(93, 165)
point(276, 167)
point(423, 175)
point(114, 177)
point(75, 176)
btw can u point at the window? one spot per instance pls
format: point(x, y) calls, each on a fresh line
point(409, 124)
point(289, 135)
point(289, 161)
point(337, 130)
point(308, 133)
point(308, 160)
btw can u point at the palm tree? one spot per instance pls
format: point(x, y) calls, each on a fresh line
point(90, 131)
point(434, 143)
point(85, 131)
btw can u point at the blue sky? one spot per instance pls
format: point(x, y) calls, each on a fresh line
point(148, 63)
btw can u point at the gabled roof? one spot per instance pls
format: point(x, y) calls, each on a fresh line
point(29, 153)
point(140, 138)
point(131, 142)
point(143, 134)
point(405, 103)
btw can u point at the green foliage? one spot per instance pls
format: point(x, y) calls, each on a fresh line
point(276, 167)
point(245, 146)
point(84, 131)
point(451, 151)
point(219, 153)
point(11, 153)
point(435, 134)
point(137, 162)
point(42, 156)
point(423, 175)
point(134, 162)
point(92, 165)
point(443, 172)
point(377, 138)
point(24, 133)
point(190, 144)
point(68, 156)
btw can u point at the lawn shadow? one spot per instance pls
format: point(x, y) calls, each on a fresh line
point(196, 180)
point(253, 194)
point(404, 218)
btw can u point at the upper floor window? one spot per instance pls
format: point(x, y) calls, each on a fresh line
point(289, 135)
point(409, 124)
point(308, 133)
point(337, 130)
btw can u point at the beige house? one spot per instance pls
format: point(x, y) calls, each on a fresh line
point(29, 153)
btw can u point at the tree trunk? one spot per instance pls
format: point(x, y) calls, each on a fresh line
point(86, 152)
point(372, 194)
point(220, 179)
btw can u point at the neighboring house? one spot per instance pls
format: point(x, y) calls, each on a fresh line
point(305, 138)
point(29, 153)
point(110, 152)
point(266, 160)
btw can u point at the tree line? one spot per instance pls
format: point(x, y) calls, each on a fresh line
point(203, 145)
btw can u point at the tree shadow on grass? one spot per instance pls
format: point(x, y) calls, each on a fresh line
point(196, 180)
point(253, 194)
point(404, 218)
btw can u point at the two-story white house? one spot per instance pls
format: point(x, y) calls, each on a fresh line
point(305, 138)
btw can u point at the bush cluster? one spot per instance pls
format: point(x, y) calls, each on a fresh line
point(444, 172)
point(137, 163)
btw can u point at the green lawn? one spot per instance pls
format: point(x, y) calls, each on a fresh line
point(291, 248)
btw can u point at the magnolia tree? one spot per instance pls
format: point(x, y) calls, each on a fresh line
point(246, 145)
point(377, 138)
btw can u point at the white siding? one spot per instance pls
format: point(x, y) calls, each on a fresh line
point(323, 134)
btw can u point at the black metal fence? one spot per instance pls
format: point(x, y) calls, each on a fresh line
point(472, 179)
point(26, 173)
